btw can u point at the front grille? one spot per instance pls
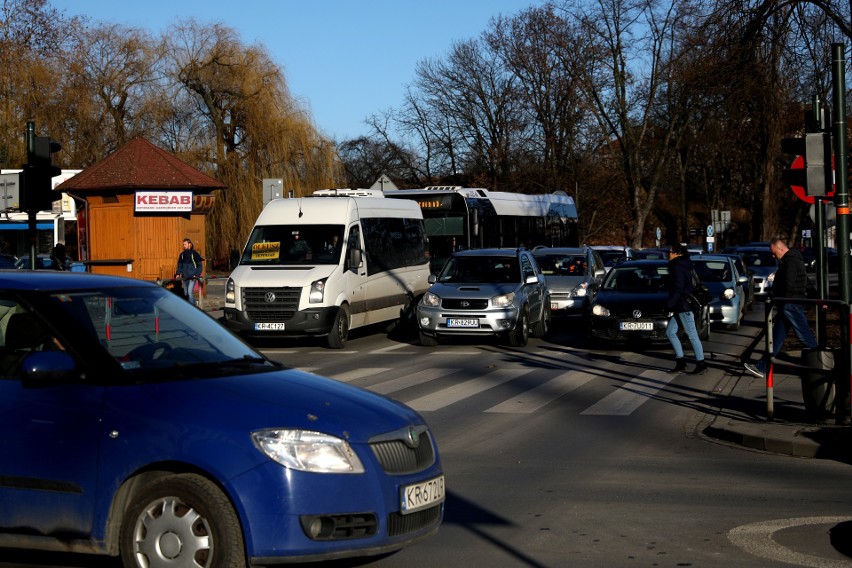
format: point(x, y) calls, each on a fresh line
point(282, 308)
point(454, 304)
point(397, 458)
point(403, 524)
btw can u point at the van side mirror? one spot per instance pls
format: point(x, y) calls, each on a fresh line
point(355, 258)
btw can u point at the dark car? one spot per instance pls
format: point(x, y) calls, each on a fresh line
point(43, 262)
point(651, 254)
point(8, 261)
point(613, 254)
point(136, 425)
point(831, 258)
point(496, 292)
point(573, 276)
point(631, 304)
point(761, 265)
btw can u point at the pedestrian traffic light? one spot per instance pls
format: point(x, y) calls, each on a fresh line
point(816, 175)
point(38, 194)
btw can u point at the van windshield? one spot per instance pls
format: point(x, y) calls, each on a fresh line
point(271, 245)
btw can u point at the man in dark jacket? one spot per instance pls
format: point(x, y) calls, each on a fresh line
point(790, 281)
point(189, 268)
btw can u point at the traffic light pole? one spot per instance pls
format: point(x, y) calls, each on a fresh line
point(841, 198)
point(32, 216)
point(841, 201)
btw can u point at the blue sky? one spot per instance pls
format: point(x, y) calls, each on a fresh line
point(344, 59)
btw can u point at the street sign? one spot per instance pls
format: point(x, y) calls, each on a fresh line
point(799, 164)
point(709, 230)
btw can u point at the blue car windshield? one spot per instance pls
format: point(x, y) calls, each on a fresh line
point(148, 328)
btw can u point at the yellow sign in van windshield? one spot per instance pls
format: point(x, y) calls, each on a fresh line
point(265, 251)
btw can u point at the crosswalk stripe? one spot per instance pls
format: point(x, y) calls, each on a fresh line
point(455, 393)
point(390, 349)
point(533, 399)
point(632, 395)
point(355, 374)
point(420, 377)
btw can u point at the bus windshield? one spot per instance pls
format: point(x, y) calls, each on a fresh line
point(271, 245)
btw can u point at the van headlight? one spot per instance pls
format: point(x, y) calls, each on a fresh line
point(317, 291)
point(230, 292)
point(304, 450)
point(503, 300)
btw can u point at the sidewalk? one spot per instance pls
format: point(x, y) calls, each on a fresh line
point(742, 419)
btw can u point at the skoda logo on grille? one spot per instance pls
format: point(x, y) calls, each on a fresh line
point(637, 314)
point(270, 297)
point(413, 439)
point(464, 303)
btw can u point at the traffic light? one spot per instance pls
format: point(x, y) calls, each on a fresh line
point(816, 173)
point(38, 194)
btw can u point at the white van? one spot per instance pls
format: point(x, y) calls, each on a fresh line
point(325, 264)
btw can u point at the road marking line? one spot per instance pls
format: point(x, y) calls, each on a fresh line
point(355, 374)
point(420, 377)
point(391, 348)
point(533, 399)
point(632, 395)
point(455, 393)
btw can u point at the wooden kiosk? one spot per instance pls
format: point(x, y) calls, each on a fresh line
point(140, 203)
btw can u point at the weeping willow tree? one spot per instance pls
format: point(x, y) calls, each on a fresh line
point(248, 127)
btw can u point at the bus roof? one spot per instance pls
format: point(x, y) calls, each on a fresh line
point(505, 203)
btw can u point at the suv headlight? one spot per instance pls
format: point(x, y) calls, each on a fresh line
point(230, 291)
point(728, 293)
point(431, 300)
point(503, 300)
point(304, 450)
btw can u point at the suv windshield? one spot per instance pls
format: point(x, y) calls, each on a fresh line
point(294, 244)
point(480, 269)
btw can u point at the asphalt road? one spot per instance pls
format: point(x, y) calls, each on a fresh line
point(560, 456)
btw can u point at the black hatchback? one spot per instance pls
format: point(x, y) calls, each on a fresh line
point(631, 304)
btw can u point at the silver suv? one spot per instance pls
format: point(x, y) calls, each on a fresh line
point(486, 292)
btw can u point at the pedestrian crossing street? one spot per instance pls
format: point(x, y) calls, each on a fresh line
point(622, 386)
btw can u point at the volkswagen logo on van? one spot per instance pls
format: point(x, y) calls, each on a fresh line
point(270, 297)
point(636, 313)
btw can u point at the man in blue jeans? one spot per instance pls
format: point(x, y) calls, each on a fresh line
point(791, 281)
point(189, 269)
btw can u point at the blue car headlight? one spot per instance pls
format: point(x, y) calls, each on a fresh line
point(304, 450)
point(431, 300)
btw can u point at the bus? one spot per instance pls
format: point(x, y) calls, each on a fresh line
point(469, 218)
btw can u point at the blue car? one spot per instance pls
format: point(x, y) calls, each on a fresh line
point(136, 426)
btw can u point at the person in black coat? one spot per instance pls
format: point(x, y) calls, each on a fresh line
point(791, 281)
point(680, 286)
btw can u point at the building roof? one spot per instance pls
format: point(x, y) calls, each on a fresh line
point(139, 165)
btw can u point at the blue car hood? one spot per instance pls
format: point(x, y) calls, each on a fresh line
point(279, 399)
